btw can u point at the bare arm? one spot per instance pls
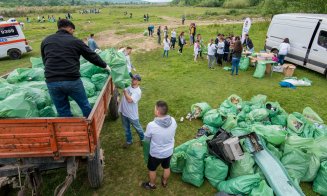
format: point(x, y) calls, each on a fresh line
point(127, 96)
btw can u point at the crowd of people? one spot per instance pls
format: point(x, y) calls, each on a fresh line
point(52, 18)
point(90, 11)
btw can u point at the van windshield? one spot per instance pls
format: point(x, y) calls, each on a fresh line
point(9, 31)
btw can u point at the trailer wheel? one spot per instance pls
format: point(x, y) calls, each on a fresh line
point(113, 105)
point(14, 54)
point(95, 168)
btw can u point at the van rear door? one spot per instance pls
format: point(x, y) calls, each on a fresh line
point(299, 31)
point(317, 59)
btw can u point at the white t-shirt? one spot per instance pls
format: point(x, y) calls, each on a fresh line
point(284, 48)
point(196, 48)
point(130, 110)
point(211, 49)
point(220, 47)
point(173, 34)
point(166, 44)
point(162, 139)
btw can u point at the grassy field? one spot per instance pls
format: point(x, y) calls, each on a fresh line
point(179, 81)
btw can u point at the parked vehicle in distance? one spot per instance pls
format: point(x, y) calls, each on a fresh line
point(12, 40)
point(308, 39)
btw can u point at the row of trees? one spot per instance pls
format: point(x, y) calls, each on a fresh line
point(42, 2)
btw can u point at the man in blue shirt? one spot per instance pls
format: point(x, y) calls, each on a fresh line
point(91, 43)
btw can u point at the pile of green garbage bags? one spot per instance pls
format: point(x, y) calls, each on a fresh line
point(297, 140)
point(24, 93)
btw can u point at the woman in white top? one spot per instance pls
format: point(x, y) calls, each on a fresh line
point(284, 49)
point(166, 44)
point(196, 50)
point(211, 54)
point(220, 51)
point(173, 39)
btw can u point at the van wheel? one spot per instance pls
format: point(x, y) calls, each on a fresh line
point(95, 168)
point(14, 54)
point(113, 105)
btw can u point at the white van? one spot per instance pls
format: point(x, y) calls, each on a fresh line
point(12, 40)
point(308, 39)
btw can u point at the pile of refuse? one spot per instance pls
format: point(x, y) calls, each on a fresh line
point(296, 141)
point(24, 93)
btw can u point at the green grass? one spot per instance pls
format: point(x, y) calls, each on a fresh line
point(179, 81)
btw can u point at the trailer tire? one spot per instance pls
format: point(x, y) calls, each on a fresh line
point(95, 168)
point(113, 105)
point(14, 54)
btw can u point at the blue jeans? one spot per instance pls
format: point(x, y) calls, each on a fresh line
point(127, 126)
point(235, 64)
point(281, 59)
point(59, 93)
point(165, 53)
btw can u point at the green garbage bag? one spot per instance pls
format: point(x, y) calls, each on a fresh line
point(215, 170)
point(238, 131)
point(246, 109)
point(146, 150)
point(33, 84)
point(6, 90)
point(257, 170)
point(274, 134)
point(213, 118)
point(295, 124)
point(183, 147)
point(309, 130)
point(88, 70)
point(210, 129)
point(274, 150)
point(320, 183)
point(26, 74)
point(244, 63)
point(39, 96)
point(312, 171)
point(321, 130)
point(99, 80)
point(119, 72)
point(16, 106)
point(47, 112)
point(295, 162)
point(312, 116)
point(305, 144)
point(193, 171)
point(75, 109)
point(320, 148)
point(240, 185)
point(37, 62)
point(92, 100)
point(88, 86)
point(262, 190)
point(259, 99)
point(230, 123)
point(177, 162)
point(145, 33)
point(273, 108)
point(260, 70)
point(231, 105)
point(258, 115)
point(242, 167)
point(200, 109)
point(279, 120)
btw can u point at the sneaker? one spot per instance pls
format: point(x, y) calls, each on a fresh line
point(147, 186)
point(126, 145)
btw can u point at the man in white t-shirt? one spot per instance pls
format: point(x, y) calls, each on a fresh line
point(160, 132)
point(129, 110)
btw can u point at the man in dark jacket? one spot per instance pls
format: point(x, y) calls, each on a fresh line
point(248, 43)
point(61, 53)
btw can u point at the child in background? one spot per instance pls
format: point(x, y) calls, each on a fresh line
point(196, 50)
point(166, 43)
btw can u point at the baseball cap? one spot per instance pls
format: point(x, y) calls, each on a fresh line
point(137, 77)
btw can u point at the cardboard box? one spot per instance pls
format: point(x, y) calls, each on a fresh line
point(288, 70)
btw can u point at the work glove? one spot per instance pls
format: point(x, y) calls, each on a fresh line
point(108, 68)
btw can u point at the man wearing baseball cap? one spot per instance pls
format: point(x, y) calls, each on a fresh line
point(129, 110)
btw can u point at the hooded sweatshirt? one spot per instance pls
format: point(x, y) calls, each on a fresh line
point(161, 132)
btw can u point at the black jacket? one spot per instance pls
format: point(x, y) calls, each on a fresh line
point(248, 43)
point(61, 53)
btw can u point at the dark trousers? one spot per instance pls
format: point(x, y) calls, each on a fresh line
point(59, 93)
point(159, 39)
point(220, 59)
point(181, 48)
point(226, 54)
point(173, 42)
